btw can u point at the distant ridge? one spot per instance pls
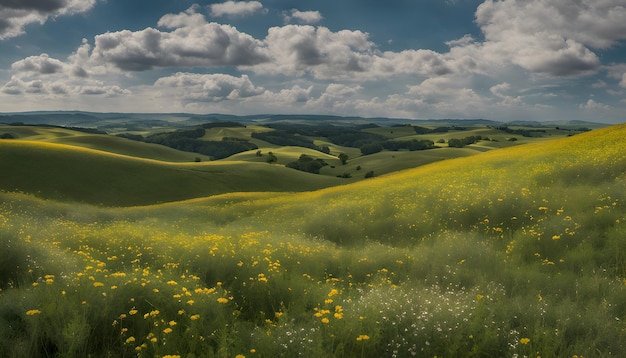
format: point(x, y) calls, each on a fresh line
point(98, 119)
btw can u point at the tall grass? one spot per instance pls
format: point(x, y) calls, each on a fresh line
point(516, 252)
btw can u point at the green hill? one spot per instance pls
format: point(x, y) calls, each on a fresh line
point(102, 142)
point(70, 173)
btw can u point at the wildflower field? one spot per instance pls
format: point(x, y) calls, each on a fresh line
point(514, 252)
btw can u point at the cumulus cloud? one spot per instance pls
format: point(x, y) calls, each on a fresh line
point(41, 64)
point(551, 37)
point(305, 17)
point(193, 43)
point(15, 15)
point(298, 49)
point(236, 8)
point(593, 105)
point(193, 87)
point(60, 87)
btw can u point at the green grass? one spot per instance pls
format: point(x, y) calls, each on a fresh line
point(76, 174)
point(106, 143)
point(513, 252)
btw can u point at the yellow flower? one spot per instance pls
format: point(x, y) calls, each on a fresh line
point(240, 356)
point(153, 339)
point(278, 314)
point(167, 330)
point(479, 297)
point(172, 323)
point(222, 300)
point(32, 312)
point(362, 337)
point(130, 339)
point(132, 312)
point(172, 283)
point(524, 340)
point(325, 320)
point(171, 356)
point(194, 317)
point(98, 284)
point(333, 292)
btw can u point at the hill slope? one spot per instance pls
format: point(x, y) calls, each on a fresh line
point(102, 142)
point(513, 252)
point(70, 173)
point(454, 194)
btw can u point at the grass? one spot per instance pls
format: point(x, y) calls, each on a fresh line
point(512, 252)
point(89, 176)
point(105, 143)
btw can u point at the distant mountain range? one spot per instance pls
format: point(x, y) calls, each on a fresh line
point(109, 120)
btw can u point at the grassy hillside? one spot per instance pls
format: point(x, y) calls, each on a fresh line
point(70, 173)
point(106, 143)
point(513, 252)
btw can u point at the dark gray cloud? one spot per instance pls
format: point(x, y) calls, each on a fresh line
point(16, 14)
point(44, 6)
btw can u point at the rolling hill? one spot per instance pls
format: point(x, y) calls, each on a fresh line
point(70, 173)
point(517, 251)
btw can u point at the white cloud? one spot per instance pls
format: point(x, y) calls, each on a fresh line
point(193, 43)
point(551, 37)
point(293, 95)
point(193, 87)
point(593, 105)
point(300, 49)
point(501, 90)
point(236, 8)
point(15, 15)
point(305, 17)
point(41, 64)
point(60, 87)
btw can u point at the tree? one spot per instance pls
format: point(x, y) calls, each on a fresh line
point(307, 164)
point(271, 158)
point(343, 157)
point(455, 143)
point(371, 148)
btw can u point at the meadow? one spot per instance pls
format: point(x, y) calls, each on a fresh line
point(515, 252)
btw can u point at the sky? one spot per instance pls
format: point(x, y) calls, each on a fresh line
point(494, 59)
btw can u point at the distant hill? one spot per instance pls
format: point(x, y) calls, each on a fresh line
point(108, 120)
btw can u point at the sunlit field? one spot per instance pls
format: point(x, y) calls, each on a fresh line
point(516, 252)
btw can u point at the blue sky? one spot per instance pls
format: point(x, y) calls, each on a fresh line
point(494, 59)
